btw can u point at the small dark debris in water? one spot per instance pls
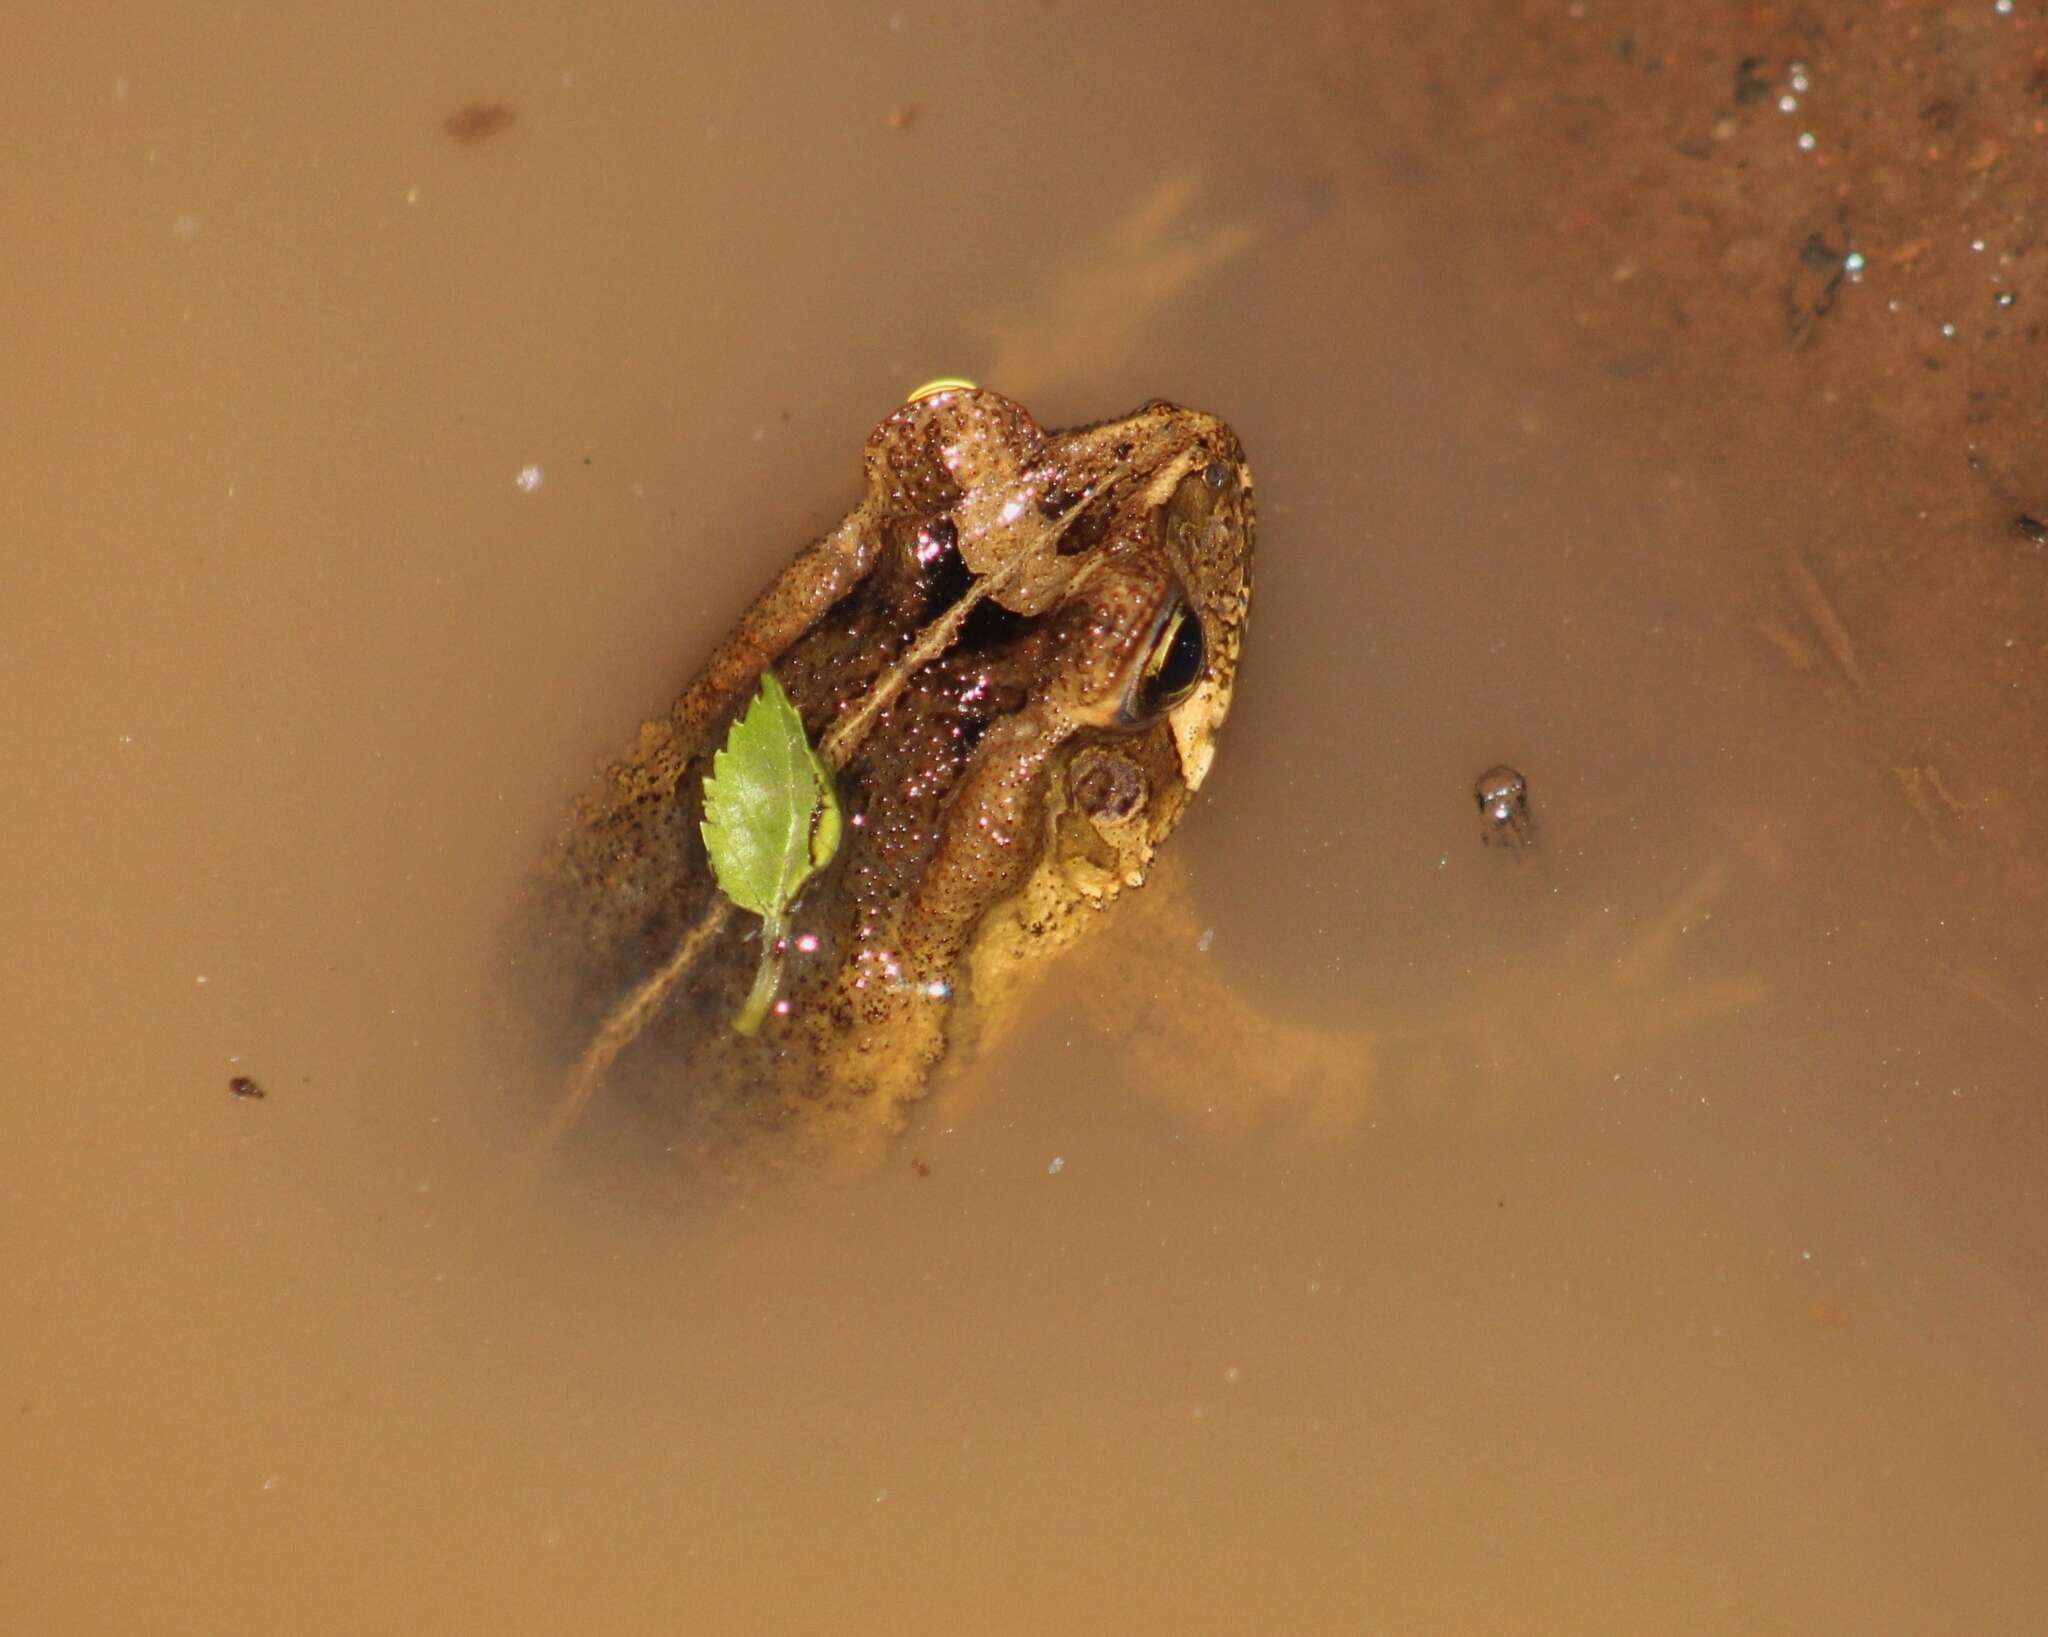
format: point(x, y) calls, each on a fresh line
point(1750, 86)
point(1818, 254)
point(1941, 113)
point(242, 1086)
point(1505, 817)
point(920, 1167)
point(478, 121)
point(2030, 528)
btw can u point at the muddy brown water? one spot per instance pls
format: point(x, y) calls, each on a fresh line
point(1661, 1246)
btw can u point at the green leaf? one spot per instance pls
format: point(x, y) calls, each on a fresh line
point(771, 822)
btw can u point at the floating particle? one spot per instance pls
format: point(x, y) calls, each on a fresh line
point(1808, 142)
point(242, 1086)
point(479, 121)
point(1505, 816)
point(527, 479)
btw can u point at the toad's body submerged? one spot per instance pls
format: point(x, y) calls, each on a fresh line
point(1016, 652)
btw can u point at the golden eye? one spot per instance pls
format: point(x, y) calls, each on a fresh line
point(1173, 665)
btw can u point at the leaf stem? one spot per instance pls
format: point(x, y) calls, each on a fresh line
point(767, 979)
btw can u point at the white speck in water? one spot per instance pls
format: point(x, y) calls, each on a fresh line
point(807, 943)
point(1798, 77)
point(269, 1485)
point(1977, 245)
point(2002, 7)
point(201, 978)
point(1852, 264)
point(881, 1495)
point(1948, 331)
point(528, 479)
point(1808, 142)
point(2005, 298)
point(1788, 103)
point(1059, 1164)
point(1206, 942)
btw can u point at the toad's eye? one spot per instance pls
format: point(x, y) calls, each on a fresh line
point(1173, 665)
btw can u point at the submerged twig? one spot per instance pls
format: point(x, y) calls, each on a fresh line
point(631, 1016)
point(1814, 604)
